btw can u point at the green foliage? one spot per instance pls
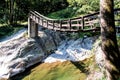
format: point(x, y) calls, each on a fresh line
point(7, 30)
point(116, 3)
point(3, 17)
point(2, 5)
point(119, 79)
point(78, 8)
point(4, 20)
point(47, 6)
point(64, 8)
point(17, 10)
point(22, 9)
point(103, 78)
point(63, 14)
point(88, 34)
point(118, 40)
point(43, 6)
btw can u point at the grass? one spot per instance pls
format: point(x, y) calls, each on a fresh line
point(58, 71)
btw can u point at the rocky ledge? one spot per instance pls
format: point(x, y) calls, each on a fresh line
point(21, 52)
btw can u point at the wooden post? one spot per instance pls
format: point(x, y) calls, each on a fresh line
point(38, 20)
point(82, 23)
point(36, 29)
point(60, 24)
point(42, 21)
point(32, 28)
point(70, 23)
point(53, 24)
point(47, 23)
point(29, 27)
point(79, 25)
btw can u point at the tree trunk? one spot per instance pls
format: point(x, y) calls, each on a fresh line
point(11, 20)
point(109, 42)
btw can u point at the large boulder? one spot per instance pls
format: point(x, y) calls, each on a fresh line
point(16, 55)
point(49, 40)
point(20, 53)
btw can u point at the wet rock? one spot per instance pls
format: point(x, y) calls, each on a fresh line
point(20, 53)
point(49, 40)
point(73, 50)
point(17, 55)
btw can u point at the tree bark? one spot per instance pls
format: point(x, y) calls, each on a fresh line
point(109, 43)
point(11, 19)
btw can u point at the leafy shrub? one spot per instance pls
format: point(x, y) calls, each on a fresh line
point(76, 8)
point(9, 30)
point(5, 30)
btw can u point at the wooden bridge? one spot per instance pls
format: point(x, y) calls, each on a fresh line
point(85, 23)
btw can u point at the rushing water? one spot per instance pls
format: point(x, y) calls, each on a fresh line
point(73, 50)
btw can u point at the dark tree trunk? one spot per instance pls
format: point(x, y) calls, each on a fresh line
point(109, 42)
point(11, 19)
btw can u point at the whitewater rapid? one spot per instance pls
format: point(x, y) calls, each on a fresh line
point(72, 50)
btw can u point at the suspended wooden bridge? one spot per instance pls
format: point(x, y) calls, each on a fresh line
point(84, 24)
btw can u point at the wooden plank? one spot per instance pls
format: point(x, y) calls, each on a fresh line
point(77, 25)
point(75, 20)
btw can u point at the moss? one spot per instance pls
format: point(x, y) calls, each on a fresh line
point(56, 71)
point(60, 71)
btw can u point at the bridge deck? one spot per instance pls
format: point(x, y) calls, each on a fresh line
point(86, 23)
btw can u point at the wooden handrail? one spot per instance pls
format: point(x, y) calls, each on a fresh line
point(87, 22)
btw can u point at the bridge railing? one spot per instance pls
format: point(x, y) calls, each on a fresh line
point(86, 23)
